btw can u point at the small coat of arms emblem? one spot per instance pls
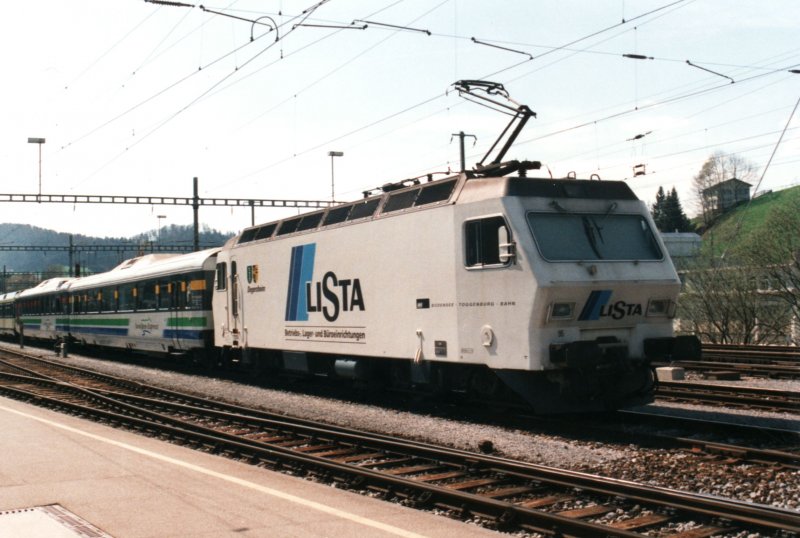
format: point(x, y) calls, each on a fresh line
point(252, 274)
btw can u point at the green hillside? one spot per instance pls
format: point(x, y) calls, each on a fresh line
point(734, 232)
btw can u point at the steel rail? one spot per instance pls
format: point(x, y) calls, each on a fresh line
point(743, 513)
point(444, 497)
point(748, 396)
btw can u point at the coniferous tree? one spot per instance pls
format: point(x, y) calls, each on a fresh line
point(658, 209)
point(668, 213)
point(675, 219)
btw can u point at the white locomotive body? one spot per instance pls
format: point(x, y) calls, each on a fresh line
point(557, 289)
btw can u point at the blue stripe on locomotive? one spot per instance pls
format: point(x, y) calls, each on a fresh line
point(301, 270)
point(597, 300)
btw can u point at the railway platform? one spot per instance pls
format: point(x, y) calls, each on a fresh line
point(63, 476)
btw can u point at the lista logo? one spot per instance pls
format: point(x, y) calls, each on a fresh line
point(598, 306)
point(331, 296)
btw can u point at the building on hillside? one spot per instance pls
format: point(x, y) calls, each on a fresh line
point(725, 195)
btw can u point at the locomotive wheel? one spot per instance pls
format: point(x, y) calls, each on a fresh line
point(483, 383)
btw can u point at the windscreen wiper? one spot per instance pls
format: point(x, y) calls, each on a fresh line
point(589, 229)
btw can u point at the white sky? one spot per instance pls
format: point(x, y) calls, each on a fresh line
point(116, 90)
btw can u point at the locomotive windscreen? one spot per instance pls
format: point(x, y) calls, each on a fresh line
point(593, 236)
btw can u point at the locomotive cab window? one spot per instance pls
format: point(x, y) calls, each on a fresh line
point(593, 236)
point(486, 242)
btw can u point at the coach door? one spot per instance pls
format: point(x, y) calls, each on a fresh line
point(177, 297)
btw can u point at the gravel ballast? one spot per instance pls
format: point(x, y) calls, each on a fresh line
point(659, 467)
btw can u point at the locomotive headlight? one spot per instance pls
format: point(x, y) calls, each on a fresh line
point(660, 308)
point(562, 311)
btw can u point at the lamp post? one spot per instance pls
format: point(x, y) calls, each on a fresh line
point(159, 217)
point(333, 154)
point(39, 141)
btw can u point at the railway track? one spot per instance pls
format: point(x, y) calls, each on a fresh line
point(728, 443)
point(729, 396)
point(760, 361)
point(506, 494)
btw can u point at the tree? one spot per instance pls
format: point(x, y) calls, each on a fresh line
point(658, 208)
point(668, 213)
point(720, 167)
point(723, 303)
point(675, 218)
point(776, 250)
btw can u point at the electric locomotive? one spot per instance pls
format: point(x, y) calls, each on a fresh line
point(557, 289)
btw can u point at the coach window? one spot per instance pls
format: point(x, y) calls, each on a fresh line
point(93, 301)
point(165, 289)
point(482, 242)
point(196, 294)
point(108, 299)
point(147, 295)
point(127, 297)
point(222, 276)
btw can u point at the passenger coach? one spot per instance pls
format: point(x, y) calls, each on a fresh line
point(155, 303)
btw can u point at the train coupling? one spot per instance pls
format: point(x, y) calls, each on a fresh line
point(589, 353)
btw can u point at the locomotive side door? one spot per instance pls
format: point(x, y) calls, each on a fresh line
point(234, 303)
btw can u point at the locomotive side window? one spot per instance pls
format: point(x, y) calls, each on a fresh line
point(593, 236)
point(337, 214)
point(482, 242)
point(222, 276)
point(289, 226)
point(265, 231)
point(436, 192)
point(310, 221)
point(363, 209)
point(400, 200)
point(247, 236)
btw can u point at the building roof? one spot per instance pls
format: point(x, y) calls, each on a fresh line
point(726, 184)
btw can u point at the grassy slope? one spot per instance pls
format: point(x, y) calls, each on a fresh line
point(727, 234)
